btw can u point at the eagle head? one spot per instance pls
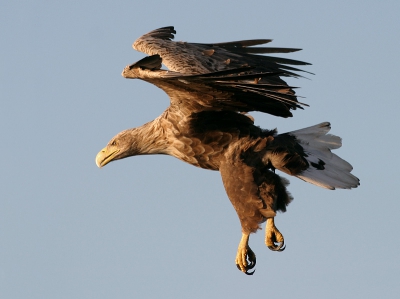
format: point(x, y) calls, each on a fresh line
point(120, 146)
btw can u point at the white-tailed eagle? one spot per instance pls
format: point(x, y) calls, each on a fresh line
point(211, 88)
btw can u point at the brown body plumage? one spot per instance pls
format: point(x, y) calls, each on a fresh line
point(211, 87)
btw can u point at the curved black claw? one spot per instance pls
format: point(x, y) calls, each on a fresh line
point(251, 263)
point(247, 273)
point(278, 246)
point(274, 240)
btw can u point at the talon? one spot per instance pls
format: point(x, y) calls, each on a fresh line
point(273, 237)
point(245, 257)
point(247, 269)
point(278, 246)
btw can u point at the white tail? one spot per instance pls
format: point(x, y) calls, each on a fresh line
point(326, 170)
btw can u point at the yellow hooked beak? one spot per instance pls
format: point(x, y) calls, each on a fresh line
point(106, 155)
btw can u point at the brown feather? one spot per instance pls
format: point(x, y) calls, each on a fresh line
point(211, 87)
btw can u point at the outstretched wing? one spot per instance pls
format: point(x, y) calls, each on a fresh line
point(220, 76)
point(234, 90)
point(198, 58)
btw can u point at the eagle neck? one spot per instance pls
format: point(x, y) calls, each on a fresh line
point(150, 138)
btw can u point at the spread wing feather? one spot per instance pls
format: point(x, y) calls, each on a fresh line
point(227, 75)
point(234, 90)
point(210, 57)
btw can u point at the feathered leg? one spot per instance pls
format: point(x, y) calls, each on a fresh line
point(256, 196)
point(273, 237)
point(245, 257)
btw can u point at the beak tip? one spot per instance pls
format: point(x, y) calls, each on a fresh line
point(105, 156)
point(99, 160)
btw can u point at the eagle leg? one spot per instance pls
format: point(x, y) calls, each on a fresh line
point(273, 237)
point(245, 257)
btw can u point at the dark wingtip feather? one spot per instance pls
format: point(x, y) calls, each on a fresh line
point(166, 33)
point(264, 50)
point(149, 62)
point(243, 43)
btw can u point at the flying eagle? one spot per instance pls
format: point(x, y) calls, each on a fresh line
point(211, 88)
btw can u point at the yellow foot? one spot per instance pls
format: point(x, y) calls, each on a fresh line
point(245, 257)
point(273, 237)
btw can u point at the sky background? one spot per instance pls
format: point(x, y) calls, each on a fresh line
point(154, 227)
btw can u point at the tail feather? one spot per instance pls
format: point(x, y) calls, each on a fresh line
point(325, 169)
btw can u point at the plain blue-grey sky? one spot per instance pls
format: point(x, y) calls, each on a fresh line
point(154, 227)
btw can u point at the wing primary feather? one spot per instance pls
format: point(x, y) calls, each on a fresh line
point(244, 77)
point(165, 33)
point(281, 60)
point(271, 50)
point(242, 43)
point(152, 62)
point(286, 67)
point(212, 76)
point(272, 94)
point(261, 85)
point(220, 74)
